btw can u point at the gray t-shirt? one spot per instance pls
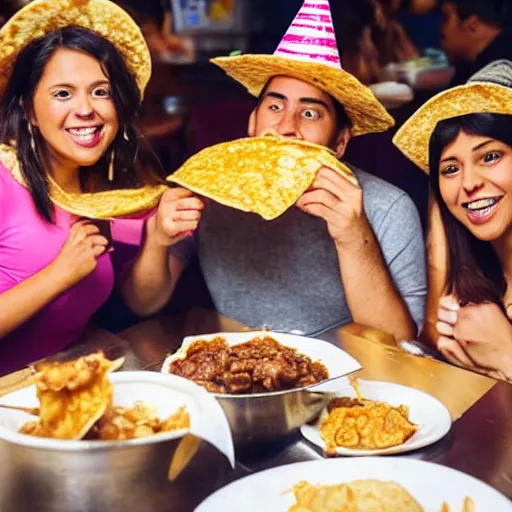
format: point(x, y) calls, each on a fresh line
point(284, 274)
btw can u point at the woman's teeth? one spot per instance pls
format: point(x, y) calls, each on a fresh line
point(482, 204)
point(84, 134)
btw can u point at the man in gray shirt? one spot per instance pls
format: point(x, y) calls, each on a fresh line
point(343, 253)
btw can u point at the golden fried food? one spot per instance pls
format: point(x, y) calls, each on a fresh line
point(72, 395)
point(76, 402)
point(263, 175)
point(365, 424)
point(119, 423)
point(357, 496)
point(55, 376)
point(468, 506)
point(259, 365)
point(360, 496)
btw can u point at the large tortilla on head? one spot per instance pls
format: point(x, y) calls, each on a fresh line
point(263, 175)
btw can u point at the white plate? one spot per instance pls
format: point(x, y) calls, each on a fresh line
point(392, 94)
point(430, 484)
point(431, 416)
point(337, 361)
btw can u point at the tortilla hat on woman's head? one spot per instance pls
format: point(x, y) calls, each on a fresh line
point(308, 52)
point(41, 17)
point(487, 91)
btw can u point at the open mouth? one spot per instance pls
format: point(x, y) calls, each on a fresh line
point(86, 136)
point(481, 209)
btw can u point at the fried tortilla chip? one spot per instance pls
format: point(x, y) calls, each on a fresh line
point(120, 423)
point(468, 506)
point(357, 496)
point(365, 424)
point(263, 175)
point(72, 395)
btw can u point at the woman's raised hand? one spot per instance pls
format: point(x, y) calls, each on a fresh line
point(79, 254)
point(475, 335)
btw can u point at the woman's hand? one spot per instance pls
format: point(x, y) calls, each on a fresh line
point(178, 215)
point(79, 254)
point(475, 335)
point(447, 315)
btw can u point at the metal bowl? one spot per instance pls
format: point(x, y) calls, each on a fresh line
point(96, 476)
point(263, 417)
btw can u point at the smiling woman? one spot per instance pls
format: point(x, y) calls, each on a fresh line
point(73, 116)
point(463, 137)
point(471, 179)
point(72, 79)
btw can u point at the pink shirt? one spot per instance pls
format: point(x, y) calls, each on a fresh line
point(28, 244)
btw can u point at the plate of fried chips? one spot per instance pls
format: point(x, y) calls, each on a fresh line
point(83, 401)
point(262, 175)
point(377, 418)
point(384, 484)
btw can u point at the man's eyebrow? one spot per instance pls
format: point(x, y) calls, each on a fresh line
point(279, 96)
point(316, 101)
point(276, 95)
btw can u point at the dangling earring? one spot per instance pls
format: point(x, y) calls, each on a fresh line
point(125, 135)
point(32, 139)
point(111, 167)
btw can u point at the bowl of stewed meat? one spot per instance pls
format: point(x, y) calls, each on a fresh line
point(269, 384)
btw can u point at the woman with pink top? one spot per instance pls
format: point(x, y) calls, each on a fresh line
point(72, 79)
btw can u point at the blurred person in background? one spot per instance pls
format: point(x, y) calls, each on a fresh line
point(354, 21)
point(389, 35)
point(421, 6)
point(155, 20)
point(421, 20)
point(475, 33)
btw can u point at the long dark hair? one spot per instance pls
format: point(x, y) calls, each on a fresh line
point(475, 273)
point(134, 163)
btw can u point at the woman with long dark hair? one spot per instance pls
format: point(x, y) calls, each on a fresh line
point(463, 137)
point(72, 78)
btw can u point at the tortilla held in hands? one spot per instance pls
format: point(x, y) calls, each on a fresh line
point(263, 175)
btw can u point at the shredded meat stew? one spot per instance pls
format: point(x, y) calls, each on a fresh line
point(256, 366)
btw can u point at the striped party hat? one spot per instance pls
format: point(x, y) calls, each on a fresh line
point(308, 52)
point(311, 36)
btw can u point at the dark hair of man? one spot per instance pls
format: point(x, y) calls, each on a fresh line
point(342, 119)
point(134, 163)
point(475, 273)
point(492, 12)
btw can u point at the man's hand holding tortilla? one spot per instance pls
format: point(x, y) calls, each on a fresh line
point(340, 203)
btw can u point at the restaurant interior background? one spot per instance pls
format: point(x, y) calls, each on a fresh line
point(391, 45)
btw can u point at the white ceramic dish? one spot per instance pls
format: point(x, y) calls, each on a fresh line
point(430, 484)
point(431, 416)
point(392, 94)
